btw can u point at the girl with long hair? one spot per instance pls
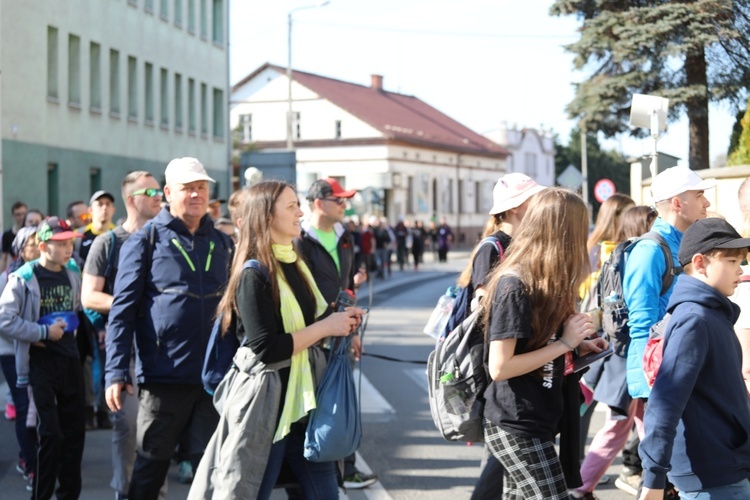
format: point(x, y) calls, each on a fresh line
point(278, 316)
point(532, 324)
point(605, 229)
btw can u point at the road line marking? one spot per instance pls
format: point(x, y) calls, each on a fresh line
point(371, 401)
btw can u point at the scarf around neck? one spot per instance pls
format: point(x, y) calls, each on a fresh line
point(300, 393)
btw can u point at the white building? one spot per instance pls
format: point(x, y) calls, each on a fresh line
point(405, 157)
point(92, 90)
point(532, 152)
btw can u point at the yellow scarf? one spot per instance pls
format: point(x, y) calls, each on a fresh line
point(300, 393)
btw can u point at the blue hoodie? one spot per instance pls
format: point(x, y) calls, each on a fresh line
point(698, 417)
point(641, 287)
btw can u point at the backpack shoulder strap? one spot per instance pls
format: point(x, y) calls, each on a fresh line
point(494, 240)
point(256, 264)
point(672, 270)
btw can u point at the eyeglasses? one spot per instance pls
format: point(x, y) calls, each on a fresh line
point(338, 201)
point(150, 192)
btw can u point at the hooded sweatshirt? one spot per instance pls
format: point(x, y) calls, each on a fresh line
point(698, 417)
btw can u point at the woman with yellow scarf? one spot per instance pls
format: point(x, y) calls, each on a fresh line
point(279, 317)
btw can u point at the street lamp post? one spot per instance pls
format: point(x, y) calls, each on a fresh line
point(289, 121)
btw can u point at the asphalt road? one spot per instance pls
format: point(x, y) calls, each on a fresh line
point(400, 443)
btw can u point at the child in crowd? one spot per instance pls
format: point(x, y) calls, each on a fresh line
point(532, 325)
point(38, 308)
point(698, 417)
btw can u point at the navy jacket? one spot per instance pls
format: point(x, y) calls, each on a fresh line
point(698, 417)
point(165, 297)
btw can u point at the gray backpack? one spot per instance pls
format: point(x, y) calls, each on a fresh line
point(456, 379)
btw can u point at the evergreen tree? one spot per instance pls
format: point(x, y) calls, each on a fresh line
point(740, 155)
point(599, 164)
point(689, 51)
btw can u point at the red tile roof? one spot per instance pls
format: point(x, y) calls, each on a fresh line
point(398, 117)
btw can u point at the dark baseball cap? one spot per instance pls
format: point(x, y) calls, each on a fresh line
point(323, 188)
point(101, 194)
point(55, 229)
point(705, 235)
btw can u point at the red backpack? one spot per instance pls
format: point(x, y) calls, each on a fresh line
point(654, 351)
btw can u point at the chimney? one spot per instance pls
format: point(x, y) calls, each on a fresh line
point(377, 82)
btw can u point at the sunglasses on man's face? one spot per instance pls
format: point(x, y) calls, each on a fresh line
point(338, 201)
point(150, 192)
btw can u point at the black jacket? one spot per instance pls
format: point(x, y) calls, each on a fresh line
point(329, 280)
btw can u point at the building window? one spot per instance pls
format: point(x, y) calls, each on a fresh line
point(204, 109)
point(52, 62)
point(297, 125)
point(338, 129)
point(530, 160)
point(246, 125)
point(204, 19)
point(218, 125)
point(217, 17)
point(178, 101)
point(114, 82)
point(53, 189)
point(132, 88)
point(461, 194)
point(191, 16)
point(164, 9)
point(148, 5)
point(478, 197)
point(148, 88)
point(164, 97)
point(178, 12)
point(410, 194)
point(74, 70)
point(191, 105)
point(95, 179)
point(95, 76)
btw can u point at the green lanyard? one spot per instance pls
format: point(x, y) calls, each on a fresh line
point(184, 253)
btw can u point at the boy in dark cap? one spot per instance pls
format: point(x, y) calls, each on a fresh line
point(698, 416)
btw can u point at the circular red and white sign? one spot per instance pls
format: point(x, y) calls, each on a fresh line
point(603, 189)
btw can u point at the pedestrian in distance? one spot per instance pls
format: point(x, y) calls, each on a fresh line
point(741, 296)
point(603, 235)
point(698, 416)
point(18, 210)
point(165, 297)
point(532, 327)
point(278, 313)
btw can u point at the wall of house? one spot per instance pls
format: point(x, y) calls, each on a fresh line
point(532, 152)
point(63, 117)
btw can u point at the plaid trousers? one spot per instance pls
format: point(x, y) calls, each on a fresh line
point(532, 467)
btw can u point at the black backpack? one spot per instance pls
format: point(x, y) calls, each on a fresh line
point(609, 289)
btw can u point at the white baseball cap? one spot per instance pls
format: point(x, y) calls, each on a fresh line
point(677, 180)
point(186, 170)
point(511, 191)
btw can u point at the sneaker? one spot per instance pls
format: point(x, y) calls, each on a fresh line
point(185, 472)
point(359, 480)
point(587, 495)
point(30, 484)
point(628, 483)
point(10, 411)
point(21, 467)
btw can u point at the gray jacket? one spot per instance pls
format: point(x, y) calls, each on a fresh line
point(248, 400)
point(19, 312)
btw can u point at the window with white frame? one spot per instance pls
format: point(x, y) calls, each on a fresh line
point(530, 165)
point(246, 125)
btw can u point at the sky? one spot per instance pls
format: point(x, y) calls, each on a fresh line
point(481, 62)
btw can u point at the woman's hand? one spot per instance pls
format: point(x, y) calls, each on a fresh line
point(341, 324)
point(576, 328)
point(597, 344)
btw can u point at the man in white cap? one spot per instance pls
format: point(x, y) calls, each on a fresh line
point(169, 282)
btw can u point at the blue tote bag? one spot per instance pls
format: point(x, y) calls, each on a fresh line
point(334, 429)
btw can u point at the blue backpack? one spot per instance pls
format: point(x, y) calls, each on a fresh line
point(222, 348)
point(462, 303)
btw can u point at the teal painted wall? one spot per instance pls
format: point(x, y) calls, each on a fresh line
point(25, 168)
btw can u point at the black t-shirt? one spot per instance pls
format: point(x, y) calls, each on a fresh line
point(103, 257)
point(486, 258)
point(529, 405)
point(56, 296)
